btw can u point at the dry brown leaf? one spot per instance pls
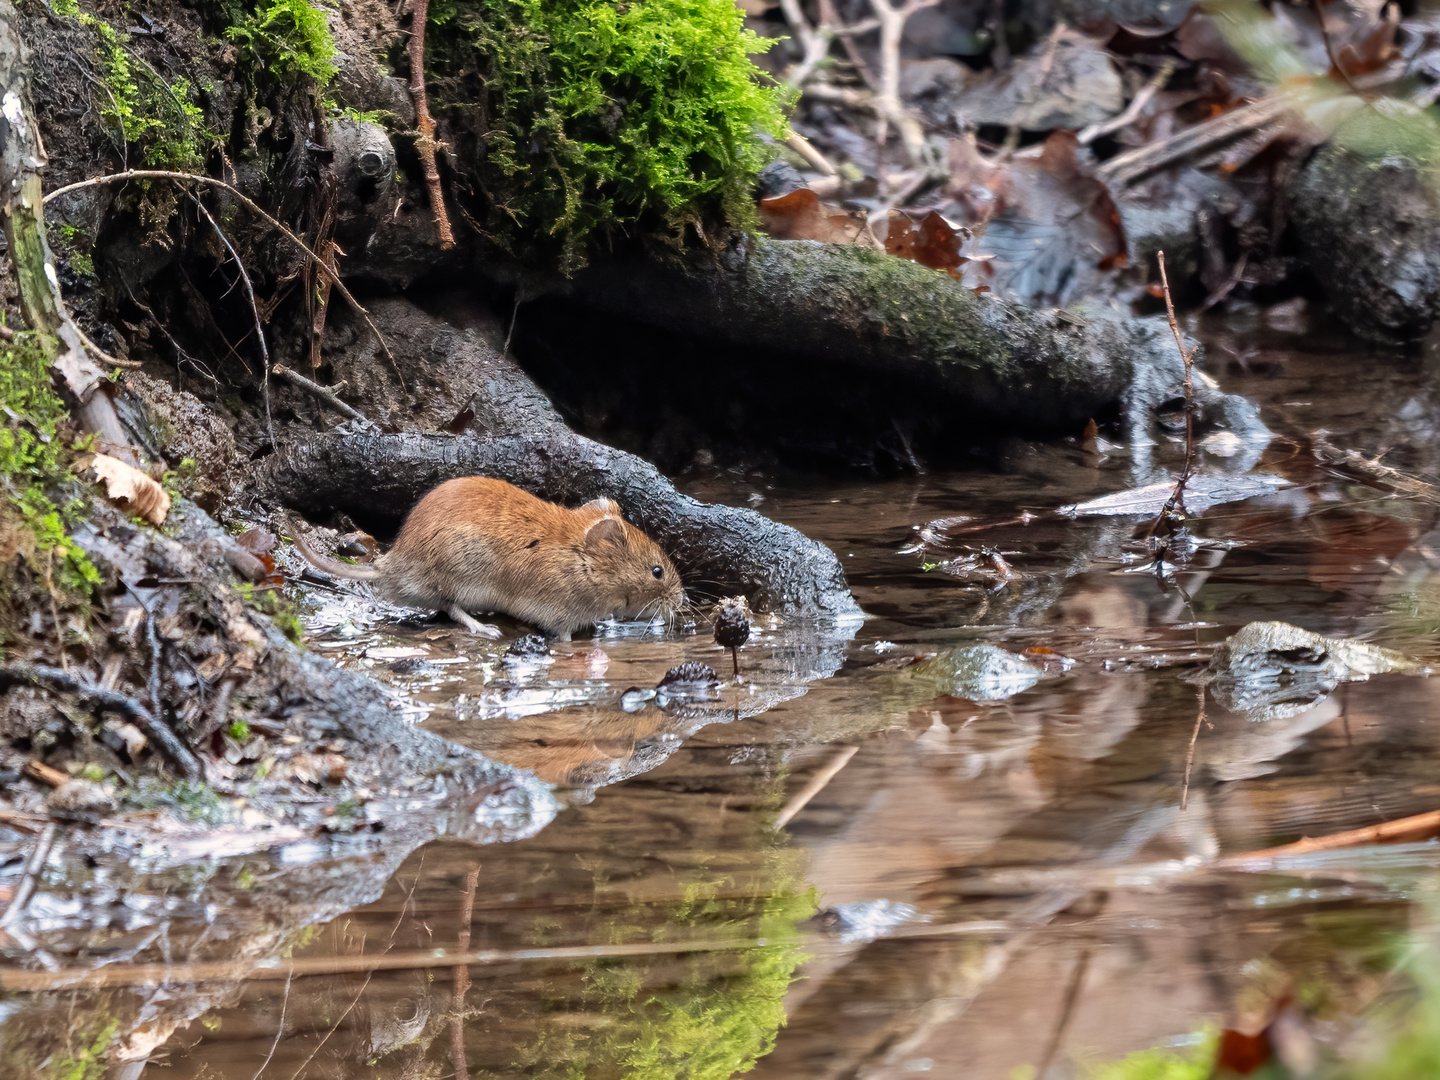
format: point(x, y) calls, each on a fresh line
point(130, 487)
point(800, 215)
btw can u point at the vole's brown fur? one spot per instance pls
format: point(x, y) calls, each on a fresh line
point(476, 544)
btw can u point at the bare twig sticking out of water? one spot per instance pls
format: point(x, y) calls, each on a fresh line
point(1200, 718)
point(1175, 504)
point(462, 977)
point(816, 785)
point(425, 144)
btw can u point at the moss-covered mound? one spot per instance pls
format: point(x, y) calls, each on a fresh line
point(576, 121)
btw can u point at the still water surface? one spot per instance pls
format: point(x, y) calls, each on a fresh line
point(916, 884)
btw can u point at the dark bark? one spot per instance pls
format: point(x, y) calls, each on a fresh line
point(975, 357)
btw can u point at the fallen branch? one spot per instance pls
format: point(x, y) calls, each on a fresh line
point(99, 700)
point(1137, 104)
point(425, 144)
point(892, 110)
point(816, 785)
point(324, 393)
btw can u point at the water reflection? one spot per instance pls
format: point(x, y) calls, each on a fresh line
point(1000, 879)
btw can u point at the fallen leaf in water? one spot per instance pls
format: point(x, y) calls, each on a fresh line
point(131, 488)
point(1201, 493)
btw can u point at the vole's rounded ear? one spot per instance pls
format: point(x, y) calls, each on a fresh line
point(608, 530)
point(605, 506)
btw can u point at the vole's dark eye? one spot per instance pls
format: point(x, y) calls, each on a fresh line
point(659, 573)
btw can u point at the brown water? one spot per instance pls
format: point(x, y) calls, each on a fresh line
point(914, 884)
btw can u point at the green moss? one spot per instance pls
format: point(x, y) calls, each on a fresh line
point(709, 1016)
point(239, 730)
point(1163, 1063)
point(192, 799)
point(597, 119)
point(288, 38)
point(34, 470)
point(155, 117)
point(269, 602)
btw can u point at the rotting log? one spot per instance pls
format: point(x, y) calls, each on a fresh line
point(717, 549)
point(978, 356)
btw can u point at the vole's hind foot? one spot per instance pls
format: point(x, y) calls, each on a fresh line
point(474, 625)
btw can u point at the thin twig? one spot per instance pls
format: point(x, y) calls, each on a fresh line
point(163, 974)
point(1330, 48)
point(1067, 1011)
point(219, 710)
point(324, 393)
point(462, 977)
point(249, 203)
point(279, 1029)
point(99, 700)
point(31, 875)
point(1187, 357)
point(830, 17)
point(153, 640)
point(364, 983)
point(1137, 104)
point(1175, 504)
point(425, 144)
point(254, 309)
point(1200, 718)
point(101, 355)
point(806, 149)
point(1402, 830)
point(892, 110)
point(816, 785)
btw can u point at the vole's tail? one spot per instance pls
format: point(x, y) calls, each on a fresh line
point(329, 565)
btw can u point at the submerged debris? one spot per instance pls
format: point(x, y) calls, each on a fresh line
point(1271, 670)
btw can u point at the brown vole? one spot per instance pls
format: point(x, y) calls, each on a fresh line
point(476, 544)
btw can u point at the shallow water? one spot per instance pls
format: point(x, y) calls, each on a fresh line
point(915, 883)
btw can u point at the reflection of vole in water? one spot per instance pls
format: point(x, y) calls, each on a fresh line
point(476, 544)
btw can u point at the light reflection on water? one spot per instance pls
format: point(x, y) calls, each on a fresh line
point(995, 883)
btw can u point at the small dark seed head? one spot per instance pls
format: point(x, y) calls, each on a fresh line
point(732, 623)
